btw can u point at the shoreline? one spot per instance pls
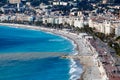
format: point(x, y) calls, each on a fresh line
point(86, 58)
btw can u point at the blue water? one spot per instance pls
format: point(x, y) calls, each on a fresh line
point(16, 42)
point(22, 40)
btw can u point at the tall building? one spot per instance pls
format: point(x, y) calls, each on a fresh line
point(14, 1)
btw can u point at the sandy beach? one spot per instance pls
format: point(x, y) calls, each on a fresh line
point(88, 56)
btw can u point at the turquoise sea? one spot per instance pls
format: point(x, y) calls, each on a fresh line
point(34, 55)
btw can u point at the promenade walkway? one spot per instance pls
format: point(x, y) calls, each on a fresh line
point(106, 58)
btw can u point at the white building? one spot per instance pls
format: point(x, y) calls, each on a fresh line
point(60, 3)
point(61, 20)
point(108, 27)
point(70, 21)
point(45, 20)
point(4, 17)
point(101, 26)
point(78, 22)
point(51, 20)
point(56, 3)
point(117, 31)
point(64, 3)
point(12, 17)
point(79, 13)
point(54, 20)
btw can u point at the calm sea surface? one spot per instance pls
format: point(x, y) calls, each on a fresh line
point(34, 55)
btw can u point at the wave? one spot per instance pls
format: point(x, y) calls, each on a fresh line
point(75, 69)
